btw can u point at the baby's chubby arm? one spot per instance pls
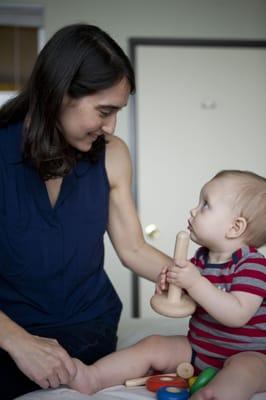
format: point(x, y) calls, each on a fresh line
point(232, 309)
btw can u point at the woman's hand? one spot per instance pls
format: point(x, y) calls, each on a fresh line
point(42, 360)
point(184, 275)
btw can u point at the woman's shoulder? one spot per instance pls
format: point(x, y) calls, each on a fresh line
point(116, 144)
point(117, 150)
point(118, 161)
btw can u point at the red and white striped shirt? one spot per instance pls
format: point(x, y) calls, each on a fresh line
point(213, 342)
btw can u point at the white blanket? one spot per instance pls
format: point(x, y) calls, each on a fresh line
point(130, 331)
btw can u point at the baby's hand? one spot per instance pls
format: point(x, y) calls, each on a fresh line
point(161, 284)
point(184, 275)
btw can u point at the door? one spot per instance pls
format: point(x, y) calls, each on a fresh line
point(200, 108)
point(21, 38)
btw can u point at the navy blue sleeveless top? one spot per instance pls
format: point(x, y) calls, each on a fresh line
point(51, 259)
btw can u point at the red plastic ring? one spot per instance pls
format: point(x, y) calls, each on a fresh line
point(156, 382)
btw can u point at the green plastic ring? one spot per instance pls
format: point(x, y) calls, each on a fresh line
point(203, 378)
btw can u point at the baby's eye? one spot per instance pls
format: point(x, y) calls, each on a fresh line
point(205, 204)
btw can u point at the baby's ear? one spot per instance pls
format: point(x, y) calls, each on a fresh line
point(238, 227)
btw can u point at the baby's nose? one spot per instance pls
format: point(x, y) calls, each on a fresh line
point(193, 212)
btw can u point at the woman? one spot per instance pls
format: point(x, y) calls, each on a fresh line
point(64, 180)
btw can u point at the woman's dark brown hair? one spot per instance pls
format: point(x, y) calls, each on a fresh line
point(79, 60)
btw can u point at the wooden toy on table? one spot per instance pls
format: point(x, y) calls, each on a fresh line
point(175, 303)
point(183, 383)
point(157, 381)
point(183, 372)
point(142, 381)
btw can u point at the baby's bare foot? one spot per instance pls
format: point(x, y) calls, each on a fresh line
point(203, 394)
point(85, 380)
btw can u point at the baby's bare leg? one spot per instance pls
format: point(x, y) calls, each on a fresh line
point(242, 376)
point(161, 353)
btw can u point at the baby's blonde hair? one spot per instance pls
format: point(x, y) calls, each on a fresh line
point(251, 201)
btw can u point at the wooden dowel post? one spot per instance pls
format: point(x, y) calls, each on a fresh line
point(175, 303)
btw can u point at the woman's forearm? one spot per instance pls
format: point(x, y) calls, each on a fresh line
point(42, 360)
point(146, 261)
point(9, 332)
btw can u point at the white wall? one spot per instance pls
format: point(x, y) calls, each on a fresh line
point(124, 19)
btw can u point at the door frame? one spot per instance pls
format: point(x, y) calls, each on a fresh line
point(133, 132)
point(31, 16)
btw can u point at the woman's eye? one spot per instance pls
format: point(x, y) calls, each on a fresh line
point(104, 113)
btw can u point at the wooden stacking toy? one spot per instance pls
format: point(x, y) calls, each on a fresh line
point(175, 386)
point(175, 303)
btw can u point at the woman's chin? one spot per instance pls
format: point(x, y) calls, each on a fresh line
point(84, 148)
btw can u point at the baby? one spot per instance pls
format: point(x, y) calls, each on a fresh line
point(226, 278)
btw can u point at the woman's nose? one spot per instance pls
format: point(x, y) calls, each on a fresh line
point(109, 125)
